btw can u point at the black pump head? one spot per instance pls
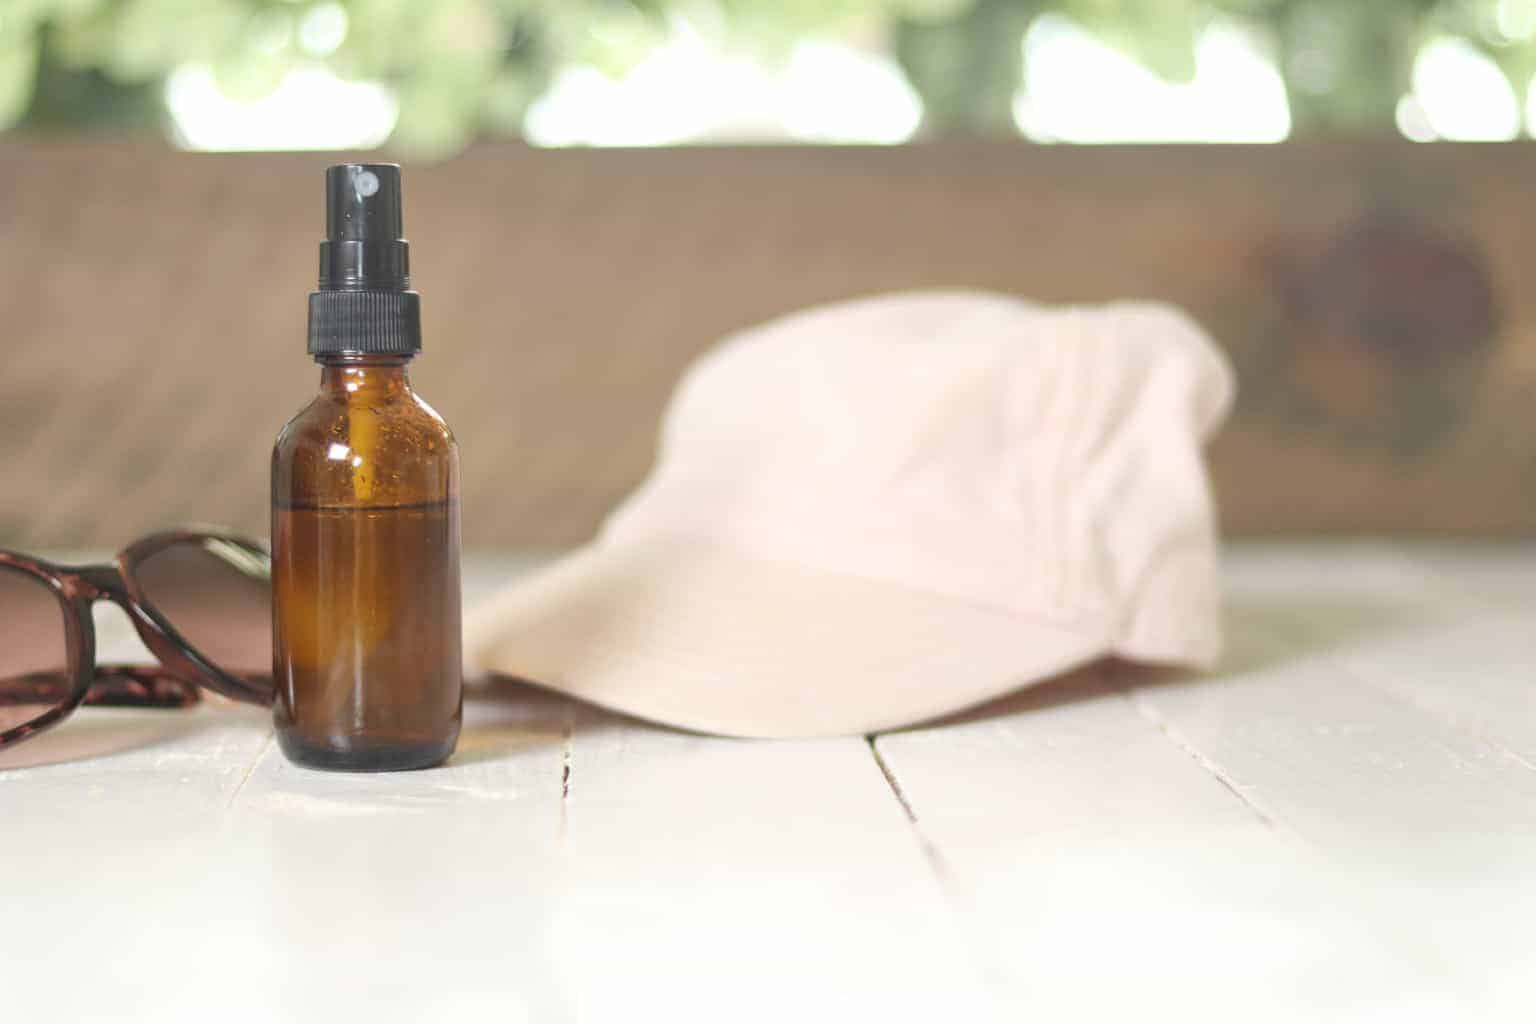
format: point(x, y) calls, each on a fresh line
point(364, 245)
point(364, 304)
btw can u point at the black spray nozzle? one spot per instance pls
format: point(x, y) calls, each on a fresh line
point(364, 304)
point(364, 247)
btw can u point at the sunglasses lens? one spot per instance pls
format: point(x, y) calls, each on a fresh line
point(34, 651)
point(218, 596)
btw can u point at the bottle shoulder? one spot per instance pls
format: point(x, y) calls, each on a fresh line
point(404, 421)
point(365, 449)
point(434, 416)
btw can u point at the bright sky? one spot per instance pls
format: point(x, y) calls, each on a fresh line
point(1077, 89)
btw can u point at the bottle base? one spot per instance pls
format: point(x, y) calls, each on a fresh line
point(364, 755)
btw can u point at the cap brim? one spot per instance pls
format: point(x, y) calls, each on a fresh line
point(720, 642)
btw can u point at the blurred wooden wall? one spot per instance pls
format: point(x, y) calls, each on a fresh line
point(152, 311)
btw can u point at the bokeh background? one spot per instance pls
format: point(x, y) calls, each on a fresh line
point(597, 190)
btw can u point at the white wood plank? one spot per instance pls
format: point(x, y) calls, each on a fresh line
point(157, 770)
point(218, 881)
point(444, 875)
point(323, 896)
point(1069, 762)
point(1113, 874)
point(1083, 850)
point(1292, 720)
point(1427, 827)
point(109, 817)
point(750, 881)
point(1331, 827)
point(1471, 655)
point(1497, 572)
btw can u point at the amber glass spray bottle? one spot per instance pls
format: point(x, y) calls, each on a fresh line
point(365, 517)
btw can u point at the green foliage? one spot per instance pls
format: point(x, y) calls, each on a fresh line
point(967, 68)
point(1159, 33)
point(18, 70)
point(464, 68)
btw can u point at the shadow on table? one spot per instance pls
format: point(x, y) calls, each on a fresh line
point(504, 717)
point(101, 732)
point(1265, 630)
point(498, 707)
point(1262, 632)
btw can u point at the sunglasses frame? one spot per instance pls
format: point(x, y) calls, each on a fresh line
point(182, 669)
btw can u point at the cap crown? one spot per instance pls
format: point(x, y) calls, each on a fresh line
point(1042, 461)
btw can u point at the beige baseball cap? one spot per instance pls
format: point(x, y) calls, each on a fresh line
point(883, 511)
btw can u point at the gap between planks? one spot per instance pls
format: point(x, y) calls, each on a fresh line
point(1127, 692)
point(567, 739)
point(251, 769)
point(1166, 729)
point(930, 850)
point(983, 956)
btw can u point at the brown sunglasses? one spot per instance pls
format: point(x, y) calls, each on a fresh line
point(200, 600)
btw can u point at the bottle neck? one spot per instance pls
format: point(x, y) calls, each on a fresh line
point(355, 374)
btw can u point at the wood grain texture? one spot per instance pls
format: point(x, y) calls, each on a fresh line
point(1372, 296)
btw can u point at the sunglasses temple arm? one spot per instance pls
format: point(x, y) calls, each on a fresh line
point(112, 686)
point(139, 686)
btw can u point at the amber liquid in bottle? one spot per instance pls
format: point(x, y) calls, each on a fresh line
point(365, 572)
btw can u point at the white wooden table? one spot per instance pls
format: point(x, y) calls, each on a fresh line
point(1338, 825)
